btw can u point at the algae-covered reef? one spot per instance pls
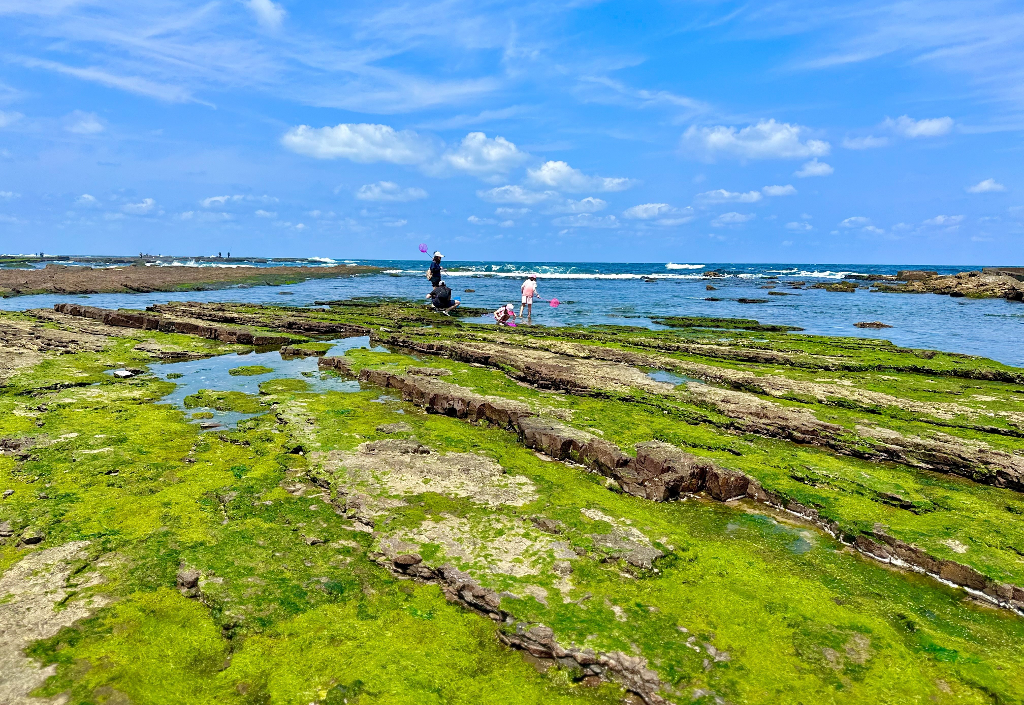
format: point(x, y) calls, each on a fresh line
point(439, 512)
point(77, 279)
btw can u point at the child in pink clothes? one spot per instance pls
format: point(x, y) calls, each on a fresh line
point(505, 316)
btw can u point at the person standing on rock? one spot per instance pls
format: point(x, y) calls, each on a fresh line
point(529, 290)
point(434, 273)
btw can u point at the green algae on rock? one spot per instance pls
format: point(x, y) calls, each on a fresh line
point(313, 555)
point(250, 370)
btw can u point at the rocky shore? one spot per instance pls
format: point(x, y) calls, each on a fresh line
point(990, 283)
point(720, 511)
point(138, 277)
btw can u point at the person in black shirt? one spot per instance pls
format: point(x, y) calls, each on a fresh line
point(441, 298)
point(434, 273)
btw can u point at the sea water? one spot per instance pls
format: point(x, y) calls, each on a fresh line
point(635, 294)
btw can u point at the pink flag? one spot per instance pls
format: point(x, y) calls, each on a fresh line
point(554, 303)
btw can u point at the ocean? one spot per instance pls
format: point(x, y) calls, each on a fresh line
point(635, 293)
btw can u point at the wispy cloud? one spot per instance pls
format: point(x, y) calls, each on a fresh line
point(389, 191)
point(723, 196)
point(268, 13)
point(587, 220)
point(928, 127)
point(516, 194)
point(132, 84)
point(732, 218)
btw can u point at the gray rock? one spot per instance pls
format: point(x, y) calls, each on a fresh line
point(407, 560)
point(313, 541)
point(429, 371)
point(8, 493)
point(550, 526)
point(399, 427)
point(31, 537)
point(188, 578)
point(5, 529)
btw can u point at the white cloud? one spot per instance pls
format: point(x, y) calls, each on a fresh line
point(141, 208)
point(814, 168)
point(765, 140)
point(86, 200)
point(389, 191)
point(946, 220)
point(647, 211)
point(394, 223)
point(986, 186)
point(269, 14)
point(82, 123)
point(723, 196)
point(265, 214)
point(561, 176)
point(511, 211)
point(482, 156)
point(674, 221)
point(787, 190)
point(516, 194)
point(873, 229)
point(584, 205)
point(7, 195)
point(929, 127)
point(857, 221)
point(659, 213)
point(506, 224)
point(799, 226)
point(213, 201)
point(732, 218)
point(587, 220)
point(869, 142)
point(359, 142)
point(7, 118)
point(188, 215)
point(481, 221)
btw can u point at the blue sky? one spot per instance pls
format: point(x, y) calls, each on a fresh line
point(790, 131)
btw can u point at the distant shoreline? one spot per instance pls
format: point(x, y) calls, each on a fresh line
point(140, 278)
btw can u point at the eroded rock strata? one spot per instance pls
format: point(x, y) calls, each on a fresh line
point(669, 516)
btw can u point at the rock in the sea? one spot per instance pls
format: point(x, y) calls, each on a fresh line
point(908, 275)
point(871, 324)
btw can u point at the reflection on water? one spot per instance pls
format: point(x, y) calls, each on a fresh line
point(798, 540)
point(213, 373)
point(670, 377)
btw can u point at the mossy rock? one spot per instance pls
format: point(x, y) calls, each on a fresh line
point(225, 401)
point(250, 370)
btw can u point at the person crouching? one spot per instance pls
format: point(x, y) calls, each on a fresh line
point(506, 315)
point(441, 298)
